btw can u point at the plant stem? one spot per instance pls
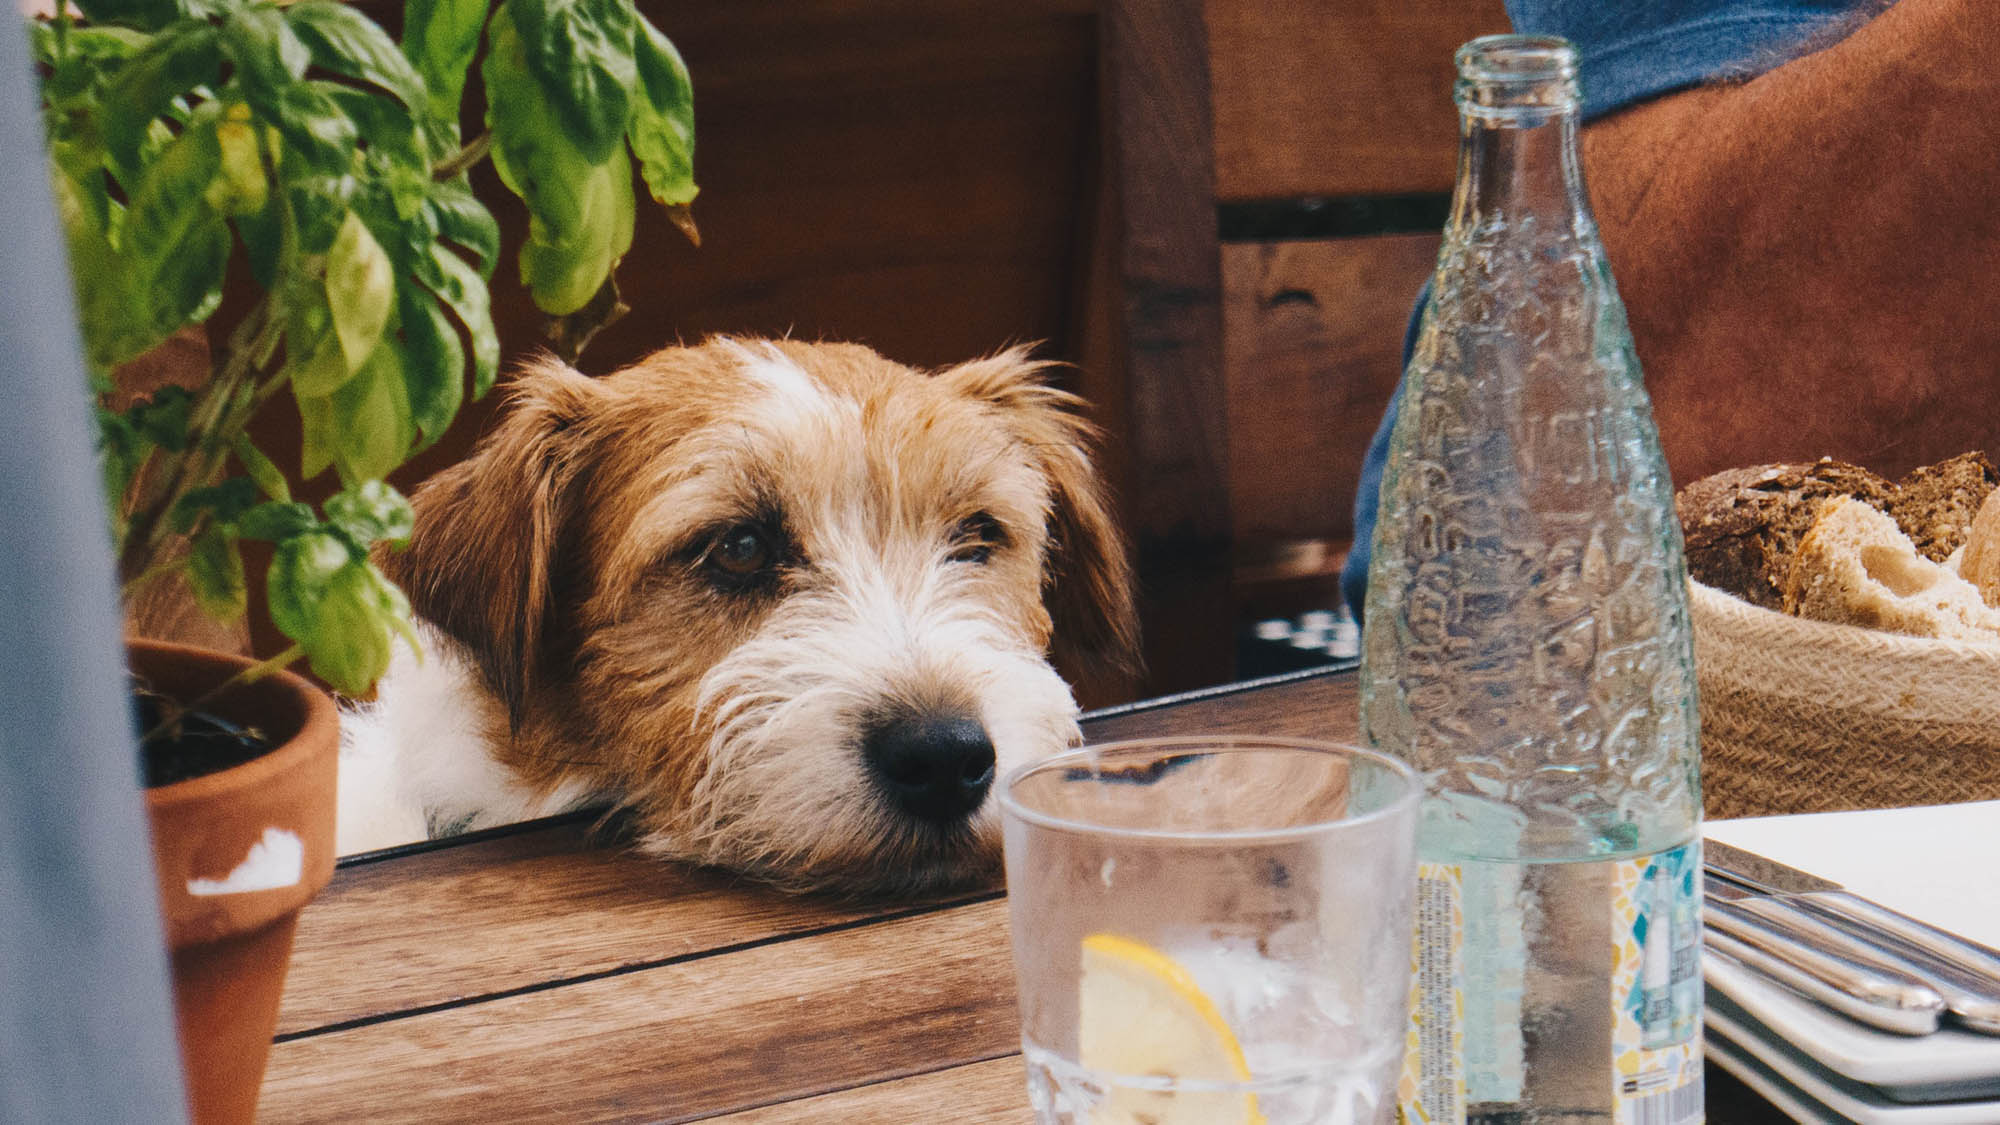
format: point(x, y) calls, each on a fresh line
point(152, 574)
point(207, 446)
point(475, 150)
point(174, 714)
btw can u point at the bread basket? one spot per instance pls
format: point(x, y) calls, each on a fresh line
point(1804, 716)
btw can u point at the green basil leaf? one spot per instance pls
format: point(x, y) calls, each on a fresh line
point(350, 646)
point(268, 55)
point(360, 288)
point(162, 417)
point(318, 433)
point(316, 364)
point(441, 37)
point(215, 573)
point(470, 300)
point(269, 480)
point(462, 219)
point(174, 63)
point(120, 451)
point(373, 429)
point(371, 511)
point(222, 503)
point(103, 286)
point(579, 211)
point(319, 204)
point(176, 248)
point(344, 41)
point(241, 188)
point(315, 127)
point(149, 15)
point(393, 154)
point(277, 520)
point(661, 131)
point(433, 363)
point(96, 45)
point(580, 53)
point(302, 570)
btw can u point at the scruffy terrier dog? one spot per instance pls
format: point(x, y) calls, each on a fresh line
point(793, 605)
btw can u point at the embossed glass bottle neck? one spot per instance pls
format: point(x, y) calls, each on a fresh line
point(1517, 163)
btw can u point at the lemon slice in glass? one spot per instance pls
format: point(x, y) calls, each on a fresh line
point(1142, 1015)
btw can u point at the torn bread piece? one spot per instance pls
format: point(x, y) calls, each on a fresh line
point(1856, 567)
point(1979, 559)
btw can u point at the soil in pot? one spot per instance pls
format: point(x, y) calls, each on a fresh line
point(199, 743)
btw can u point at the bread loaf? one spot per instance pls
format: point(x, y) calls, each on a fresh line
point(1934, 505)
point(1854, 566)
point(1980, 562)
point(1741, 526)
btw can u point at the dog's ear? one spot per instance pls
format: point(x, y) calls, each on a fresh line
point(482, 562)
point(1087, 585)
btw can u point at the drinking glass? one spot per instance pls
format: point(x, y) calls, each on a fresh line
point(1212, 929)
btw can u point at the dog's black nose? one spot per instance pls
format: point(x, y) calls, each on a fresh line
point(933, 767)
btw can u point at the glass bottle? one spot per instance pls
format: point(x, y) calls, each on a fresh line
point(1526, 645)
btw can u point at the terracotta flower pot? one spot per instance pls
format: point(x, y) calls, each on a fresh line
point(238, 853)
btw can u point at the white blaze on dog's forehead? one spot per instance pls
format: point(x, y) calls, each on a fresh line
point(276, 860)
point(787, 381)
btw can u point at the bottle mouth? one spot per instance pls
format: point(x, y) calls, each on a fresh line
point(1520, 78)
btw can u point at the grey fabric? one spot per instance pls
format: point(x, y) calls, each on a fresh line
point(86, 1019)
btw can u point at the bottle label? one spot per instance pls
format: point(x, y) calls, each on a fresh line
point(1465, 1047)
point(1656, 982)
point(1432, 1089)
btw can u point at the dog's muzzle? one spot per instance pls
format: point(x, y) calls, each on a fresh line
point(932, 768)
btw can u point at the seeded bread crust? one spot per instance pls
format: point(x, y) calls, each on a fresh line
point(1743, 525)
point(1935, 505)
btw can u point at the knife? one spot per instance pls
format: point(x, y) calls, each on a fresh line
point(1881, 997)
point(1967, 975)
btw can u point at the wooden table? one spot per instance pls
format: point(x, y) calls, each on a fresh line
point(536, 974)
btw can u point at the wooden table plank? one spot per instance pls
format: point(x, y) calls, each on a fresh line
point(785, 1020)
point(1314, 705)
point(549, 904)
point(994, 1092)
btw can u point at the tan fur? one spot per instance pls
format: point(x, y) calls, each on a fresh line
point(563, 560)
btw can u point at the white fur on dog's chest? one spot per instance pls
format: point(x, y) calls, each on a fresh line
point(417, 762)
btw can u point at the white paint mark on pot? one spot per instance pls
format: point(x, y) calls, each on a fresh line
point(277, 860)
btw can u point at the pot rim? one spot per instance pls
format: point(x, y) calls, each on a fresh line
point(311, 706)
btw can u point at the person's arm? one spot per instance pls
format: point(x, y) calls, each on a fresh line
point(1811, 259)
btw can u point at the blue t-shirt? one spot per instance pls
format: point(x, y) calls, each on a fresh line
point(1627, 51)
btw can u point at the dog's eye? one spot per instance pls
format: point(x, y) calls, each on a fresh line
point(976, 537)
point(743, 551)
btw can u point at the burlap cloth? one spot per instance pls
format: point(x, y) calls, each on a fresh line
point(1803, 716)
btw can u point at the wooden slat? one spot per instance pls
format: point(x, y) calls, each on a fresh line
point(771, 1023)
point(547, 905)
point(984, 1093)
point(1314, 341)
point(1350, 98)
point(1156, 328)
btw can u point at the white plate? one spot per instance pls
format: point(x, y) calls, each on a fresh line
point(1790, 1100)
point(1946, 1064)
point(1817, 1095)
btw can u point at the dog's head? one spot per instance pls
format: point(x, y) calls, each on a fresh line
point(792, 603)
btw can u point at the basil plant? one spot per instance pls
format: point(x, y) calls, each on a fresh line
point(303, 144)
